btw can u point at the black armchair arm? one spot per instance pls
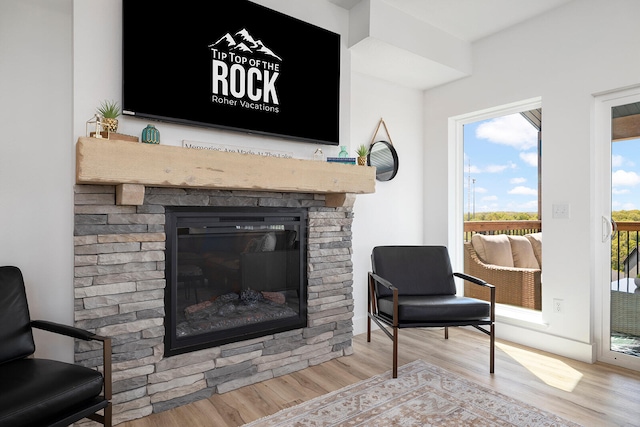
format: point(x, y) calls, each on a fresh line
point(382, 281)
point(492, 297)
point(473, 279)
point(58, 328)
point(82, 334)
point(373, 306)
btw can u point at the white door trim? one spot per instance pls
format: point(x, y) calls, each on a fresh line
point(603, 103)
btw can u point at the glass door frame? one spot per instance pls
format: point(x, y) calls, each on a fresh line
point(602, 145)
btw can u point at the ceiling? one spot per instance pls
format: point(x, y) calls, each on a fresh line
point(466, 20)
point(469, 20)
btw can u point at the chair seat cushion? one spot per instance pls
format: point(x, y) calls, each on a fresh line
point(435, 309)
point(34, 390)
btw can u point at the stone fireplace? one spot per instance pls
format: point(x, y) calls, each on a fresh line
point(121, 271)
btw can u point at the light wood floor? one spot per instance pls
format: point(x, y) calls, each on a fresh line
point(590, 395)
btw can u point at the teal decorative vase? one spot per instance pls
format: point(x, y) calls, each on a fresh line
point(150, 135)
point(343, 151)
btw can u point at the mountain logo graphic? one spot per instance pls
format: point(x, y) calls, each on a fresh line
point(243, 42)
point(244, 73)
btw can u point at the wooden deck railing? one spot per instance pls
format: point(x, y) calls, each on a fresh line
point(501, 227)
point(625, 261)
point(625, 251)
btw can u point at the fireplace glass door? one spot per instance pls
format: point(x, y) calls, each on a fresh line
point(233, 274)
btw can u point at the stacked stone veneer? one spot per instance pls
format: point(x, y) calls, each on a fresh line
point(119, 292)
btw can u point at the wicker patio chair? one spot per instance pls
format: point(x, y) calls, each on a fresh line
point(516, 286)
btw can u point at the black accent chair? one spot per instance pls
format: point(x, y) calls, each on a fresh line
point(413, 287)
point(40, 392)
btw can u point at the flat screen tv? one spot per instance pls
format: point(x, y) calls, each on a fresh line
point(233, 65)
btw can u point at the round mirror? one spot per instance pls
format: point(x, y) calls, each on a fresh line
point(383, 156)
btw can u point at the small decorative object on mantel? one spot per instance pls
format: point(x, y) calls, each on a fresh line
point(318, 155)
point(343, 151)
point(95, 128)
point(345, 160)
point(383, 156)
point(109, 111)
point(362, 152)
point(150, 135)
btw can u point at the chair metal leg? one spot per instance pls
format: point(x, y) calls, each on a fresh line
point(108, 417)
point(395, 352)
point(446, 332)
point(492, 338)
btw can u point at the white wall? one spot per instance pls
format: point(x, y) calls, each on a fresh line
point(37, 160)
point(393, 215)
point(565, 57)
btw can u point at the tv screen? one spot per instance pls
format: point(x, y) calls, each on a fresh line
point(233, 65)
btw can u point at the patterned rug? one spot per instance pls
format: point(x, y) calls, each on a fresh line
point(422, 395)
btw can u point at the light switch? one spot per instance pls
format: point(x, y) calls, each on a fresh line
point(561, 211)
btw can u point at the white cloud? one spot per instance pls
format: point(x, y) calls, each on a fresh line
point(517, 180)
point(530, 158)
point(624, 179)
point(496, 168)
point(480, 190)
point(617, 191)
point(522, 190)
point(489, 198)
point(499, 168)
point(472, 169)
point(617, 160)
point(512, 130)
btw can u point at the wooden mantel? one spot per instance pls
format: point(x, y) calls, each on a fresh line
point(131, 166)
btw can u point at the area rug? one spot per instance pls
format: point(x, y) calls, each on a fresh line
point(422, 395)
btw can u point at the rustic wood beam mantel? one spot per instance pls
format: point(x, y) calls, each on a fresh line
point(131, 166)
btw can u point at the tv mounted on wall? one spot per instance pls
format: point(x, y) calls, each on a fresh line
point(231, 64)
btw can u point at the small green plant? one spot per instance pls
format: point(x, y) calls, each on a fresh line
point(109, 109)
point(362, 151)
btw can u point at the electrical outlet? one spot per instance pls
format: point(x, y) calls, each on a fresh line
point(557, 305)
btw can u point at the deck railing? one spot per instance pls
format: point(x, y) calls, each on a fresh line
point(519, 228)
point(625, 261)
point(625, 253)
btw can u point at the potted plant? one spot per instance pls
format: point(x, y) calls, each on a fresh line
point(362, 152)
point(109, 111)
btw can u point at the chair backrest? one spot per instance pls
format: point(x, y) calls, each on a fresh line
point(414, 270)
point(16, 338)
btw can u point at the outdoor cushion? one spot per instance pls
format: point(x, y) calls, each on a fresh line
point(536, 244)
point(522, 251)
point(494, 250)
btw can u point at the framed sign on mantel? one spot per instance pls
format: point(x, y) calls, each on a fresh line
point(235, 65)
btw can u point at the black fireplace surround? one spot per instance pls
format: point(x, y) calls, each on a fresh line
point(233, 274)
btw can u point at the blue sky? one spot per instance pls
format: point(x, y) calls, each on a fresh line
point(501, 155)
point(625, 175)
